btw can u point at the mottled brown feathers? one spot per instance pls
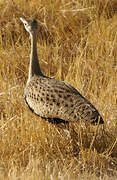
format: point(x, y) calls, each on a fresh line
point(50, 98)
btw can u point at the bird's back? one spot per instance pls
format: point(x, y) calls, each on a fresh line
point(50, 98)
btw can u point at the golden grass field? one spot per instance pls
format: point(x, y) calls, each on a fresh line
point(77, 43)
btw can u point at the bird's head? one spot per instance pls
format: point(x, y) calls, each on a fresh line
point(31, 25)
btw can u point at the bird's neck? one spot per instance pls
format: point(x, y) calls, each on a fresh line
point(34, 67)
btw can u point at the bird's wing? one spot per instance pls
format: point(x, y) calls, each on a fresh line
point(51, 98)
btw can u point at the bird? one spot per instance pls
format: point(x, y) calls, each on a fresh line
point(51, 99)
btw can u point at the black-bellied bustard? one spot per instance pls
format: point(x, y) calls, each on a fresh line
point(52, 99)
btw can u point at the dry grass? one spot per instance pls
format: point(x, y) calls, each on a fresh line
point(77, 44)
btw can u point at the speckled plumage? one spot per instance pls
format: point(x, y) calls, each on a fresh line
point(53, 99)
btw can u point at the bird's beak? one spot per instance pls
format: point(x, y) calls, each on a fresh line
point(22, 19)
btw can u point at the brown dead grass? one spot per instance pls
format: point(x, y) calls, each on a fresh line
point(77, 44)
